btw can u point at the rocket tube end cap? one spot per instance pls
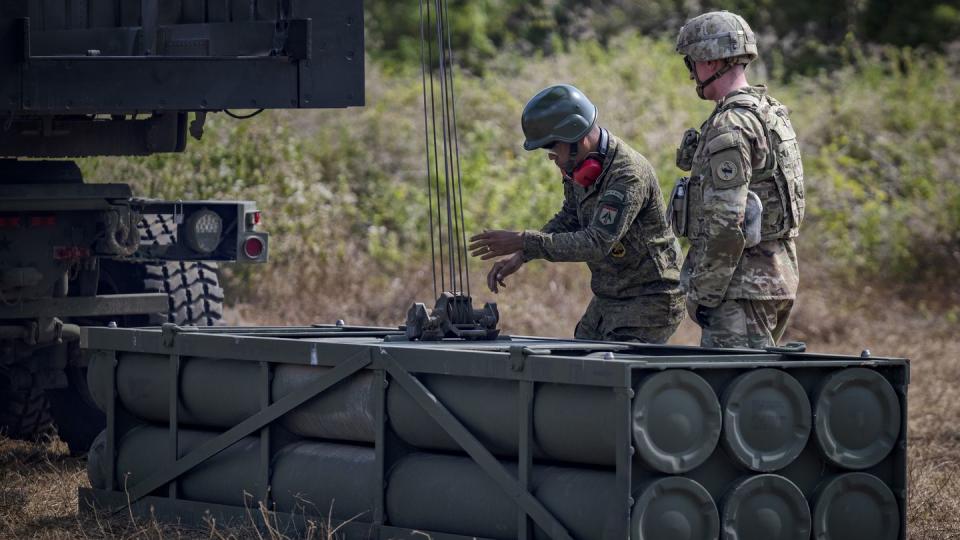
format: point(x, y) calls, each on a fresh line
point(856, 506)
point(857, 418)
point(677, 508)
point(765, 506)
point(676, 421)
point(766, 418)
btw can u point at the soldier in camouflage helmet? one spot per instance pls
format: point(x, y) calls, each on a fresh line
point(742, 205)
point(613, 218)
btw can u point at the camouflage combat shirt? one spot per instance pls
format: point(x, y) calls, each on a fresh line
point(618, 227)
point(733, 144)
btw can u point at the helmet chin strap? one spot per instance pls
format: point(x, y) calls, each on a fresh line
point(702, 85)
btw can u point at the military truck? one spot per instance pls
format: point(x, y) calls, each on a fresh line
point(133, 78)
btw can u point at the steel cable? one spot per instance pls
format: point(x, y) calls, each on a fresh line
point(434, 19)
point(426, 144)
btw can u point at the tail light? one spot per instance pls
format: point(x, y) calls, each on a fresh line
point(253, 247)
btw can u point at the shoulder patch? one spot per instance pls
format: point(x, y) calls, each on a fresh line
point(726, 167)
point(727, 170)
point(608, 215)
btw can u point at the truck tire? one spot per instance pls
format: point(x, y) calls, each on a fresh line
point(194, 298)
point(24, 414)
point(193, 290)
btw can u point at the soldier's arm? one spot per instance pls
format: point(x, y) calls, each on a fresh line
point(617, 208)
point(566, 219)
point(734, 151)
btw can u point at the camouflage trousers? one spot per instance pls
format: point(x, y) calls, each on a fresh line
point(753, 324)
point(648, 319)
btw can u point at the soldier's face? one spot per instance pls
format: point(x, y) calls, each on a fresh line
point(703, 71)
point(558, 153)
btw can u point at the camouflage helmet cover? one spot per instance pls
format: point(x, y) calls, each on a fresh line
point(560, 113)
point(717, 35)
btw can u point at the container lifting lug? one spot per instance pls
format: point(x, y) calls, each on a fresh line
point(453, 316)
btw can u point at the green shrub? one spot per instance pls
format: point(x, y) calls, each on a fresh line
point(879, 138)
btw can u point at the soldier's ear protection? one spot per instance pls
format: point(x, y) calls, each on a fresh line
point(592, 167)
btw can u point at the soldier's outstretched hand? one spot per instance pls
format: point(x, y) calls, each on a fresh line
point(497, 243)
point(501, 269)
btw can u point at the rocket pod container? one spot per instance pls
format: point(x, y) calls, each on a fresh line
point(604, 440)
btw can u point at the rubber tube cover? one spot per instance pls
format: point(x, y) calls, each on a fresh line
point(676, 421)
point(856, 506)
point(767, 419)
point(857, 418)
point(677, 508)
point(765, 507)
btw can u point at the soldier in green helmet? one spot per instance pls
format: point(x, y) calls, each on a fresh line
point(743, 203)
point(613, 218)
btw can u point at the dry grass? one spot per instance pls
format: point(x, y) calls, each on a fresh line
point(38, 483)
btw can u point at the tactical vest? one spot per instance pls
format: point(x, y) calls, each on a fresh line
point(778, 184)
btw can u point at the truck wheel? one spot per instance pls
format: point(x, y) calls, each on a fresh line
point(193, 287)
point(24, 414)
point(193, 290)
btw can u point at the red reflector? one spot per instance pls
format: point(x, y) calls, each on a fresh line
point(253, 218)
point(253, 247)
point(43, 221)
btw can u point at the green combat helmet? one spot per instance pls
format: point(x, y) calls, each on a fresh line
point(560, 113)
point(718, 35)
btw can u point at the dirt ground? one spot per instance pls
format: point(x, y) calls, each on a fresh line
point(38, 482)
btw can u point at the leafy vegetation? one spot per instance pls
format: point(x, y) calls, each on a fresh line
point(484, 27)
point(879, 137)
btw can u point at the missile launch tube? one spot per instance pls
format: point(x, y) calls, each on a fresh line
point(307, 477)
point(222, 393)
point(452, 494)
point(676, 423)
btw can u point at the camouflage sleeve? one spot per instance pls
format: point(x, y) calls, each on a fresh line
point(566, 219)
point(724, 204)
point(617, 208)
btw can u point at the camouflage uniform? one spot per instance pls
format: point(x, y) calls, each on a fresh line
point(748, 291)
point(618, 227)
point(743, 203)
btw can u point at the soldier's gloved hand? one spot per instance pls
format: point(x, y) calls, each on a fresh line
point(502, 269)
point(492, 244)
